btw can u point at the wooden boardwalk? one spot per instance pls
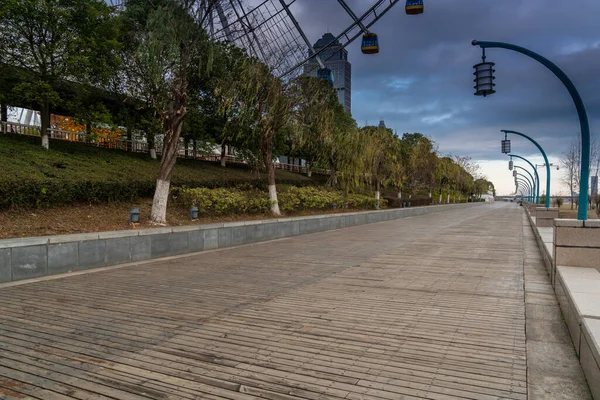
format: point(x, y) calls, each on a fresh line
point(430, 307)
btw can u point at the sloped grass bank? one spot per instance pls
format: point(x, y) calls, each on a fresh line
point(71, 173)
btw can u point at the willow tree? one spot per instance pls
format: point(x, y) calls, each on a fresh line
point(343, 150)
point(263, 102)
point(314, 118)
point(166, 45)
point(380, 156)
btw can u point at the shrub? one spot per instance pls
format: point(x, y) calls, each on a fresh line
point(558, 202)
point(225, 201)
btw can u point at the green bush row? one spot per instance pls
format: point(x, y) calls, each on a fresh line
point(247, 200)
point(45, 193)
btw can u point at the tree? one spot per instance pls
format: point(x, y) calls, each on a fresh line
point(380, 156)
point(53, 40)
point(265, 103)
point(166, 45)
point(314, 118)
point(422, 161)
point(571, 163)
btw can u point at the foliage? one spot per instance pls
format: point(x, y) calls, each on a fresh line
point(558, 202)
point(73, 172)
point(245, 200)
point(49, 40)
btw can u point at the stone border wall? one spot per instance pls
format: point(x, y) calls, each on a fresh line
point(576, 287)
point(42, 256)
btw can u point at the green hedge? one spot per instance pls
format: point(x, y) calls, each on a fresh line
point(247, 200)
point(72, 172)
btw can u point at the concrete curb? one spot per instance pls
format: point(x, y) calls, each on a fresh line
point(43, 256)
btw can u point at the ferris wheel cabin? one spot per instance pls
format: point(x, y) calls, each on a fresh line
point(325, 73)
point(370, 44)
point(414, 7)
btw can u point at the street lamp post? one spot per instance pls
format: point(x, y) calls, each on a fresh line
point(532, 180)
point(545, 158)
point(525, 180)
point(537, 177)
point(484, 85)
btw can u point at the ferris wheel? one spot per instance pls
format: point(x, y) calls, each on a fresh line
point(269, 31)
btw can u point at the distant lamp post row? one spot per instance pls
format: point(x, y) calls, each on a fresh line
point(537, 177)
point(484, 85)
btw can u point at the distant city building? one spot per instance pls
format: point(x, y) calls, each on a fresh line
point(336, 59)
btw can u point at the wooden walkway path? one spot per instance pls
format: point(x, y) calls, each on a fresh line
point(430, 307)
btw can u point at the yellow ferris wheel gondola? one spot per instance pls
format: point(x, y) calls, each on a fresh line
point(414, 7)
point(370, 43)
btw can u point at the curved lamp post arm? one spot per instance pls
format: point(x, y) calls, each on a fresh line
point(531, 176)
point(523, 179)
point(537, 176)
point(582, 213)
point(545, 158)
point(523, 187)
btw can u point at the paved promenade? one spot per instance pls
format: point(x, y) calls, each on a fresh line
point(429, 307)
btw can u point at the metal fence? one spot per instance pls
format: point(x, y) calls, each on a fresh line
point(136, 146)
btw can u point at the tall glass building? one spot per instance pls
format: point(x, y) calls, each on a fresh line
point(336, 59)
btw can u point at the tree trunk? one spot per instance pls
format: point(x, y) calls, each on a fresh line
point(150, 138)
point(399, 193)
point(195, 149)
point(173, 122)
point(185, 148)
point(45, 120)
point(377, 194)
point(440, 197)
point(129, 137)
point(4, 117)
point(268, 160)
point(448, 198)
point(308, 170)
point(223, 154)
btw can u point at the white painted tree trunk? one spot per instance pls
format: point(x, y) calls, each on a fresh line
point(448, 198)
point(309, 174)
point(45, 141)
point(153, 154)
point(377, 197)
point(223, 154)
point(440, 198)
point(159, 203)
point(410, 196)
point(399, 194)
point(273, 197)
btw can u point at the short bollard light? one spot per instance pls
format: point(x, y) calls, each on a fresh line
point(333, 205)
point(403, 204)
point(134, 216)
point(193, 213)
point(409, 204)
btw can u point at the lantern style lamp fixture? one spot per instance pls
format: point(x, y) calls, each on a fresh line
point(511, 164)
point(484, 77)
point(193, 213)
point(515, 173)
point(505, 144)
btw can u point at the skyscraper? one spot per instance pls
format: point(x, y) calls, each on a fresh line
point(336, 59)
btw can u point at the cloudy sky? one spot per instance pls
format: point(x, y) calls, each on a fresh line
point(422, 79)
